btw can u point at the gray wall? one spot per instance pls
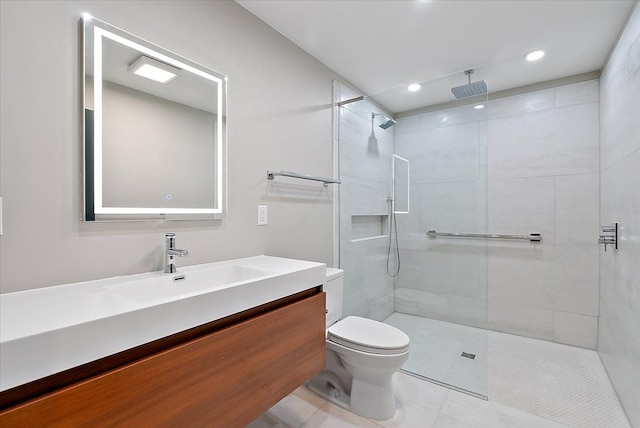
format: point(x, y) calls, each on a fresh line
point(153, 147)
point(619, 323)
point(279, 117)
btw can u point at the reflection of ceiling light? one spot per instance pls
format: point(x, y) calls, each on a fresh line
point(154, 70)
point(414, 87)
point(535, 55)
point(478, 106)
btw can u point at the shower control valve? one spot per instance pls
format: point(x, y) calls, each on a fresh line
point(609, 236)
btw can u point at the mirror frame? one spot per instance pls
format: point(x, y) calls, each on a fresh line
point(92, 159)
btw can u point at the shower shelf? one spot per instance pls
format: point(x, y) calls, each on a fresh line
point(272, 174)
point(532, 237)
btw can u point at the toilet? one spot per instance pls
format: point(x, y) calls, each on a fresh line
point(362, 356)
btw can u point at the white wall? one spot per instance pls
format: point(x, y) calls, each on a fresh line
point(534, 168)
point(618, 333)
point(279, 117)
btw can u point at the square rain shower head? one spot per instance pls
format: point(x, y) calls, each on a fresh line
point(470, 89)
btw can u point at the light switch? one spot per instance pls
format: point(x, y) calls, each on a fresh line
point(262, 215)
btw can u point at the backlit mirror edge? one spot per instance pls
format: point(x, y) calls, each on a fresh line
point(90, 163)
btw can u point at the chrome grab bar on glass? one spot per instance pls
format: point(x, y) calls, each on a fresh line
point(271, 175)
point(532, 237)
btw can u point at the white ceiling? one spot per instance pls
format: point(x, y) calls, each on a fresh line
point(381, 45)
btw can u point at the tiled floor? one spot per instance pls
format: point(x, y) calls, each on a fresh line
point(419, 404)
point(436, 352)
point(566, 384)
point(530, 383)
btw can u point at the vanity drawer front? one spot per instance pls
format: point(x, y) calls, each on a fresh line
point(226, 378)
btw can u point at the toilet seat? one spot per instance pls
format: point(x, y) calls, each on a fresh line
point(367, 335)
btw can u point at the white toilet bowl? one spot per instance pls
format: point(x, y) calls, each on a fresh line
point(362, 357)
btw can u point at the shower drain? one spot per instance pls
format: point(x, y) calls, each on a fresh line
point(468, 355)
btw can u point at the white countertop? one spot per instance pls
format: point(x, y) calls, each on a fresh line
point(48, 330)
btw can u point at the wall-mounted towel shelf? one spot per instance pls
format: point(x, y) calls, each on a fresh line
point(532, 237)
point(272, 174)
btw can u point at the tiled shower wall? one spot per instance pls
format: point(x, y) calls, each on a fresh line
point(365, 156)
point(527, 163)
point(618, 334)
point(443, 279)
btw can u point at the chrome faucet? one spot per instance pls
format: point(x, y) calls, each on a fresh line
point(172, 252)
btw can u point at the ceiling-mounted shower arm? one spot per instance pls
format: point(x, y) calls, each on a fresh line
point(351, 100)
point(468, 73)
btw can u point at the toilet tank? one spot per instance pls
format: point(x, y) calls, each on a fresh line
point(333, 287)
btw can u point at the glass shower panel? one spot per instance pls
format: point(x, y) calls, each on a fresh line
point(365, 159)
point(440, 293)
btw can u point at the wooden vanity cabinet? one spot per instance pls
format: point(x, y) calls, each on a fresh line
point(225, 377)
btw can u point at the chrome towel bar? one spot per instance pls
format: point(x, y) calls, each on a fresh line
point(532, 237)
point(271, 175)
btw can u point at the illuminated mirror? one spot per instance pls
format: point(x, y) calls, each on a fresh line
point(154, 130)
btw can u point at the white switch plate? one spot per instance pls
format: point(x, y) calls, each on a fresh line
point(262, 215)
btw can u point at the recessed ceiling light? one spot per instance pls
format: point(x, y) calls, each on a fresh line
point(414, 87)
point(154, 70)
point(478, 106)
point(535, 55)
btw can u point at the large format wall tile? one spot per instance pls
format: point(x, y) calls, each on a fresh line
point(453, 116)
point(521, 206)
point(563, 278)
point(450, 268)
point(620, 106)
point(509, 317)
point(618, 338)
point(368, 196)
point(458, 207)
point(365, 151)
point(575, 329)
point(521, 104)
point(409, 223)
point(539, 152)
point(552, 142)
point(367, 285)
point(365, 170)
point(621, 202)
point(578, 93)
point(443, 154)
point(577, 209)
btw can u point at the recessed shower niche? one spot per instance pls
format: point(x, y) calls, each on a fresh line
point(365, 227)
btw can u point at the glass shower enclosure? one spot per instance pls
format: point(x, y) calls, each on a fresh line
point(427, 172)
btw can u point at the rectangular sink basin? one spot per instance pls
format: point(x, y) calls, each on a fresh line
point(48, 330)
point(186, 283)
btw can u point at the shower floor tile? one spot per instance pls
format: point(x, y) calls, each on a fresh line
point(436, 352)
point(562, 383)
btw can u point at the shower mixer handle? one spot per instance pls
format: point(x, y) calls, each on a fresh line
point(609, 236)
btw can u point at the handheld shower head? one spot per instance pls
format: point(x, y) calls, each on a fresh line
point(388, 122)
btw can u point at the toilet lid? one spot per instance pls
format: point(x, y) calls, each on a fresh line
point(368, 336)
